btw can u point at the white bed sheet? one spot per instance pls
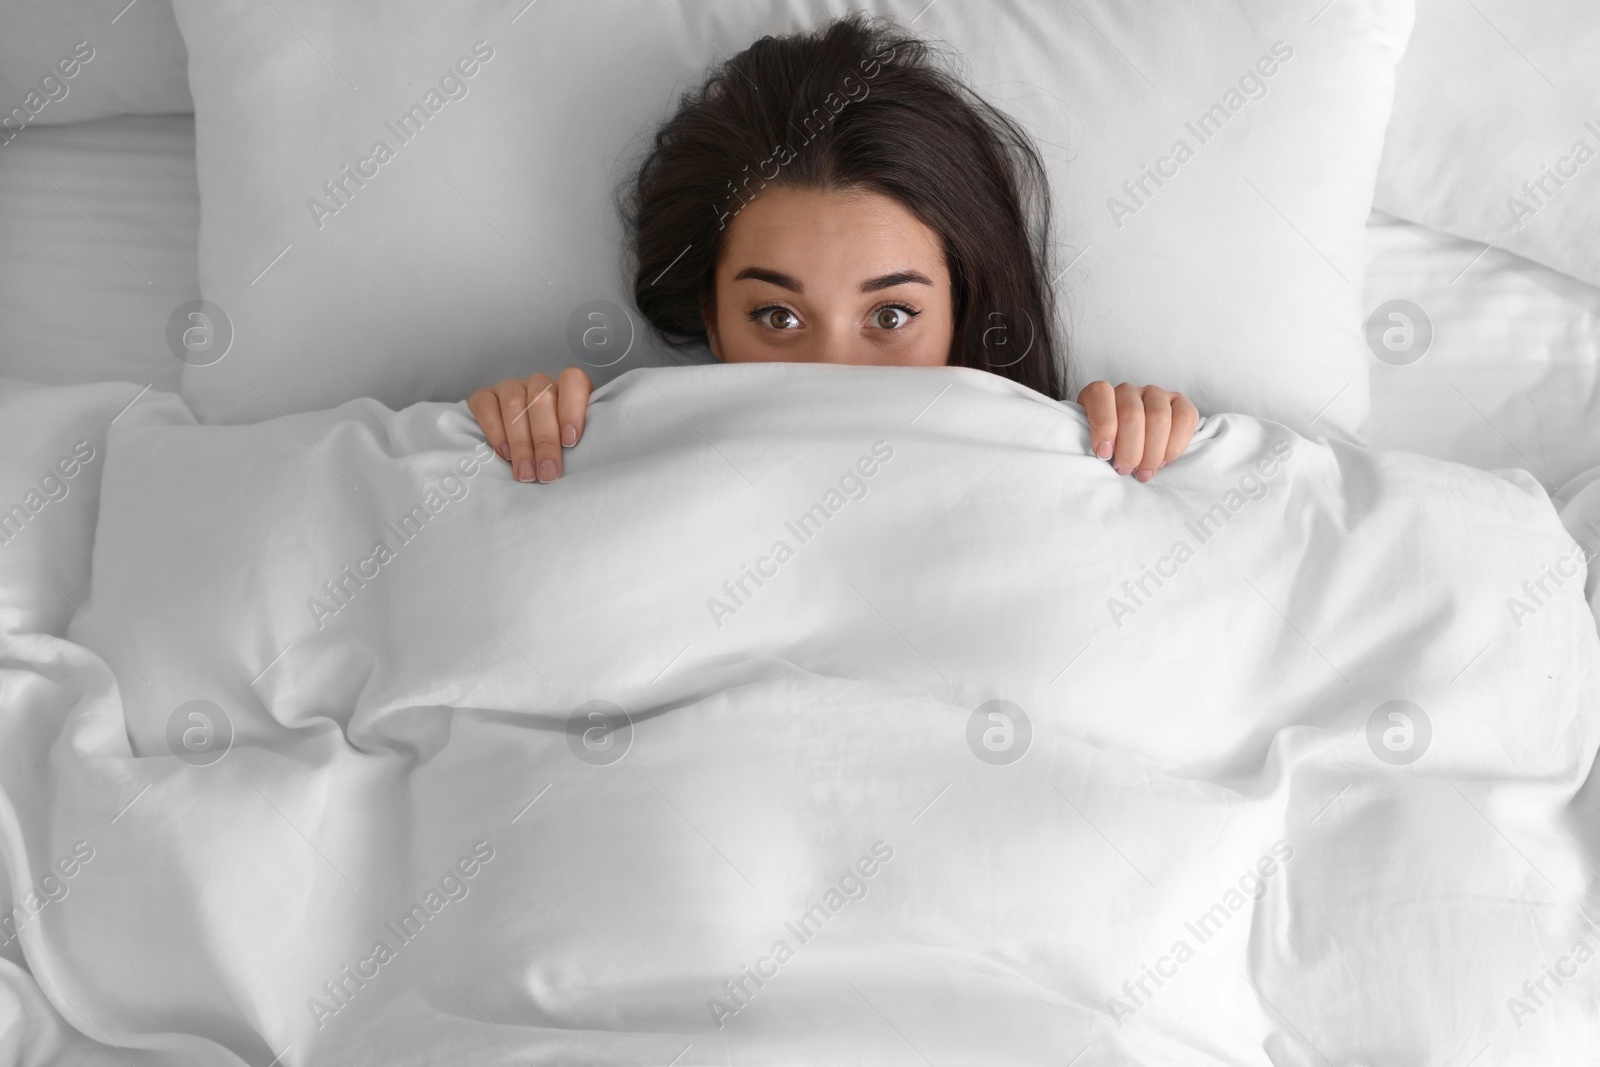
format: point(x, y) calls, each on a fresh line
point(422, 720)
point(99, 230)
point(1512, 376)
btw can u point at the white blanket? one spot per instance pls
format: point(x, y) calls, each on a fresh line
point(818, 714)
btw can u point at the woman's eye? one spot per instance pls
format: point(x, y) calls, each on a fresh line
point(892, 317)
point(779, 318)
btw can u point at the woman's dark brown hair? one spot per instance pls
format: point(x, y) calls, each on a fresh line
point(855, 104)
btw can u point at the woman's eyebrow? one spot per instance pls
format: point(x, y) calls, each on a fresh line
point(762, 274)
point(889, 281)
point(785, 281)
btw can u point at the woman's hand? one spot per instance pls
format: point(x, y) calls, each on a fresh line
point(1139, 428)
point(528, 422)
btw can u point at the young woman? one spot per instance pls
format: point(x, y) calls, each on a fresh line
point(837, 197)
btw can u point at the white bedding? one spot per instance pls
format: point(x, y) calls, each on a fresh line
point(1218, 723)
point(99, 232)
point(1512, 377)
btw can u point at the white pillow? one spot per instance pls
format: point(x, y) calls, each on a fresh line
point(1489, 360)
point(1494, 98)
point(82, 300)
point(465, 257)
point(71, 60)
point(52, 454)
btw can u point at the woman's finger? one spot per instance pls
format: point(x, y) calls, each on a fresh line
point(542, 428)
point(1130, 428)
point(1157, 428)
point(485, 407)
point(1100, 406)
point(514, 414)
point(572, 404)
point(1185, 417)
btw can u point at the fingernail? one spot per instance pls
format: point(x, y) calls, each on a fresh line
point(1123, 470)
point(525, 471)
point(1103, 449)
point(1144, 474)
point(569, 435)
point(547, 471)
point(505, 452)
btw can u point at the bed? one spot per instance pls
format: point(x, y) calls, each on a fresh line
point(880, 724)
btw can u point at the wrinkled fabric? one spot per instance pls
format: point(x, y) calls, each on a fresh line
point(1000, 758)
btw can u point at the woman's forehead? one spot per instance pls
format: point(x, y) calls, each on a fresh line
point(803, 235)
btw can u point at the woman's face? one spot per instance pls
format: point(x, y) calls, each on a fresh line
point(831, 277)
